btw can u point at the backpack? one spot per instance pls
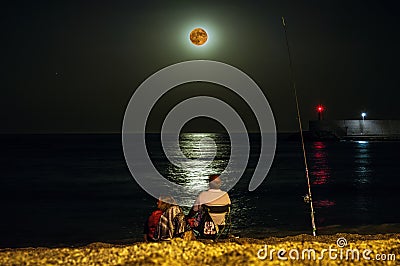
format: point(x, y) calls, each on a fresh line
point(208, 229)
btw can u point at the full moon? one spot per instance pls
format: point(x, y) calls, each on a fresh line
point(198, 36)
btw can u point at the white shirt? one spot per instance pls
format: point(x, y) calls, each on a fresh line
point(213, 197)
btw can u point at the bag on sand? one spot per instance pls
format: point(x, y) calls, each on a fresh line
point(207, 227)
point(182, 229)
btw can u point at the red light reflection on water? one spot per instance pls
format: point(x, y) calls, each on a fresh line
point(324, 203)
point(320, 169)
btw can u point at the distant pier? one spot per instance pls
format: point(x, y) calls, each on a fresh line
point(355, 129)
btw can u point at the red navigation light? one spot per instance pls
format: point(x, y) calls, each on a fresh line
point(320, 110)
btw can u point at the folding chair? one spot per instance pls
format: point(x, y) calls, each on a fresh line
point(216, 221)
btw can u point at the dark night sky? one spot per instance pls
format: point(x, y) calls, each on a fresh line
point(72, 66)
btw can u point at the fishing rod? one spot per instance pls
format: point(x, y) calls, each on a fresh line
point(308, 197)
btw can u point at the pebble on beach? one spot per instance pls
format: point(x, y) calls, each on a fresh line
point(225, 252)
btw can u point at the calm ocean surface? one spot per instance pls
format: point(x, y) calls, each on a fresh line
point(76, 189)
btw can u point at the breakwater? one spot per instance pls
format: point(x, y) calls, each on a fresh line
point(355, 129)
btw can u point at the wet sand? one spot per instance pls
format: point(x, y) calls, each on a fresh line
point(234, 251)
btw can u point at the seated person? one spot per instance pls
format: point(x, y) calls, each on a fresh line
point(167, 222)
point(214, 196)
point(151, 223)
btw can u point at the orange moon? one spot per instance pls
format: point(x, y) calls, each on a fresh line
point(198, 36)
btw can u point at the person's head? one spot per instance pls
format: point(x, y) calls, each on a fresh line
point(164, 202)
point(214, 181)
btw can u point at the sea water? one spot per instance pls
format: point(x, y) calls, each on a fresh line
point(76, 189)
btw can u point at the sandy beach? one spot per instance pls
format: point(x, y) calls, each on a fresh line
point(350, 249)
